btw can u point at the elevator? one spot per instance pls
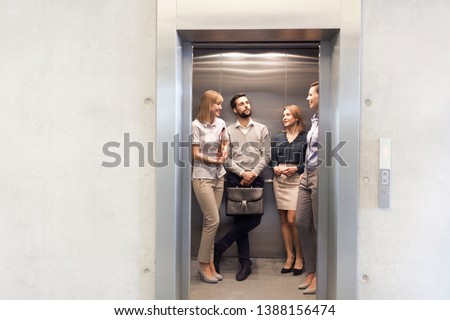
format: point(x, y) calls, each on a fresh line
point(273, 75)
point(336, 26)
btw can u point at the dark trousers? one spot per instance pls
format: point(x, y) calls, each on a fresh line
point(241, 226)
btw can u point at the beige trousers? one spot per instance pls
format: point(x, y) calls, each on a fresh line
point(209, 194)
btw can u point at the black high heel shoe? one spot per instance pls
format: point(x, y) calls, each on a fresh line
point(297, 272)
point(284, 270)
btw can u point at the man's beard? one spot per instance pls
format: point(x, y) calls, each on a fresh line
point(245, 115)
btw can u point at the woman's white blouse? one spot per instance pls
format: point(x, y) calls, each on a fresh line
point(208, 137)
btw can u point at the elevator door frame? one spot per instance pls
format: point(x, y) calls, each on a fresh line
point(339, 87)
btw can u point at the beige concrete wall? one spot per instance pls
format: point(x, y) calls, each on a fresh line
point(405, 67)
point(75, 75)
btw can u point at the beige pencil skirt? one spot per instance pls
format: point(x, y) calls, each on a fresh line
point(286, 189)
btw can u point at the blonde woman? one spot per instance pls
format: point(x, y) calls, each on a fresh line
point(288, 165)
point(209, 150)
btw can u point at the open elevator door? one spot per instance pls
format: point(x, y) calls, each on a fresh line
point(273, 75)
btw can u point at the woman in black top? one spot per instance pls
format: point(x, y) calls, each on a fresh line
point(288, 164)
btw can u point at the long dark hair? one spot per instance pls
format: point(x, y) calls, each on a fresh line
point(314, 84)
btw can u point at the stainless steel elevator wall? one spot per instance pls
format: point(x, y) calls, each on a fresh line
point(272, 79)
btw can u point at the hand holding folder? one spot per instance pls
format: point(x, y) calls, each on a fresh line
point(221, 149)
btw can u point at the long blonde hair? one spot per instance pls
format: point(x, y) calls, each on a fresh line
point(208, 99)
point(297, 114)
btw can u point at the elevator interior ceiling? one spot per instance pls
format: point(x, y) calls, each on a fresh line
point(258, 35)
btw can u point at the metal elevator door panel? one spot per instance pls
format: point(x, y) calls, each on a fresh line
point(273, 76)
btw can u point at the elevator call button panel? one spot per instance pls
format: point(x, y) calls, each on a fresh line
point(384, 180)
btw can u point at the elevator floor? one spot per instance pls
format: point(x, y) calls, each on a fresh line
point(265, 283)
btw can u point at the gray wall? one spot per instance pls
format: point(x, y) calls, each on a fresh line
point(75, 75)
point(405, 67)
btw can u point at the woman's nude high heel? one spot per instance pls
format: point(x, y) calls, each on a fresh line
point(215, 273)
point(218, 276)
point(204, 277)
